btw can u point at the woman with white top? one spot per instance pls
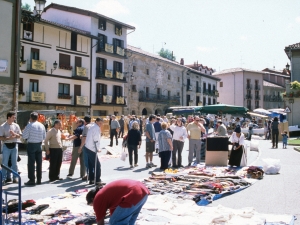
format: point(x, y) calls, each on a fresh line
point(237, 140)
point(179, 136)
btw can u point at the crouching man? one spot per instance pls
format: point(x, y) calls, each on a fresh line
point(124, 198)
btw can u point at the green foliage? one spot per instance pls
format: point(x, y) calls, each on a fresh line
point(165, 53)
point(26, 7)
point(295, 85)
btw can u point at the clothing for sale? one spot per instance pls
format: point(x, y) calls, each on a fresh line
point(123, 193)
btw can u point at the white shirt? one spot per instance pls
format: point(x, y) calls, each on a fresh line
point(179, 132)
point(235, 139)
point(94, 135)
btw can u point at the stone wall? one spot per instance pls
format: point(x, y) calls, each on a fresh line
point(6, 101)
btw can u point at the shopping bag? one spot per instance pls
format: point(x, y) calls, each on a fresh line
point(244, 158)
point(123, 156)
point(254, 145)
point(271, 166)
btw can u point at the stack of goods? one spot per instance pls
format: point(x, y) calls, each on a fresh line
point(203, 185)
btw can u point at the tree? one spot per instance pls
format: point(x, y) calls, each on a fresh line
point(165, 53)
point(26, 7)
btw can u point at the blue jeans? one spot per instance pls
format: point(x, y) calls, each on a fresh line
point(127, 216)
point(92, 158)
point(13, 154)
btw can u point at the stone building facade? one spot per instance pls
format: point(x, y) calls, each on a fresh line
point(154, 83)
point(9, 53)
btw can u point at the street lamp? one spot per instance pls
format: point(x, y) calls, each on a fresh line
point(54, 67)
point(287, 66)
point(39, 7)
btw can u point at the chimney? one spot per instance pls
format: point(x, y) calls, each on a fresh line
point(182, 61)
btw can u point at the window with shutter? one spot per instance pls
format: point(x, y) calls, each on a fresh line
point(101, 42)
point(204, 101)
point(34, 85)
point(64, 60)
point(209, 101)
point(101, 24)
point(77, 61)
point(118, 92)
point(101, 89)
point(28, 31)
point(74, 41)
point(21, 92)
point(118, 67)
point(117, 43)
point(188, 98)
point(100, 67)
point(35, 53)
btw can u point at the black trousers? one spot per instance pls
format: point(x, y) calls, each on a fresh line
point(275, 134)
point(164, 159)
point(55, 163)
point(133, 149)
point(121, 131)
point(177, 149)
point(91, 155)
point(113, 133)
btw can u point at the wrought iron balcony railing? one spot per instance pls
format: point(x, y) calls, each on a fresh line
point(170, 100)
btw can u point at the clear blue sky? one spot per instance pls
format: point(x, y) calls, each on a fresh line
point(220, 34)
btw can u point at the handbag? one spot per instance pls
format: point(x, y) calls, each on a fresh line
point(244, 158)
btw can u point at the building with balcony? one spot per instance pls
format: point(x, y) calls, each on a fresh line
point(241, 87)
point(153, 83)
point(107, 55)
point(201, 86)
point(54, 67)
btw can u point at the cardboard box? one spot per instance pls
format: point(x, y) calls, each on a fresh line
point(216, 158)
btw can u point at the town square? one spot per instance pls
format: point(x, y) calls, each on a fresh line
point(149, 112)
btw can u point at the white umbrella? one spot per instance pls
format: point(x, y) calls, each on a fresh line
point(262, 111)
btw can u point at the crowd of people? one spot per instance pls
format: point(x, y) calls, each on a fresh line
point(163, 136)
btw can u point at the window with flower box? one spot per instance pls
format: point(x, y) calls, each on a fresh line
point(64, 91)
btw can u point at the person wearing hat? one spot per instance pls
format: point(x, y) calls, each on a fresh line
point(124, 199)
point(237, 139)
point(222, 130)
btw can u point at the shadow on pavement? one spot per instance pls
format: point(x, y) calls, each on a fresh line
point(122, 168)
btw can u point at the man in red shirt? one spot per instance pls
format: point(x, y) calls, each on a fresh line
point(124, 199)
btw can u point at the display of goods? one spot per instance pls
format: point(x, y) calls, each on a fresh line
point(72, 118)
point(171, 171)
point(41, 118)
